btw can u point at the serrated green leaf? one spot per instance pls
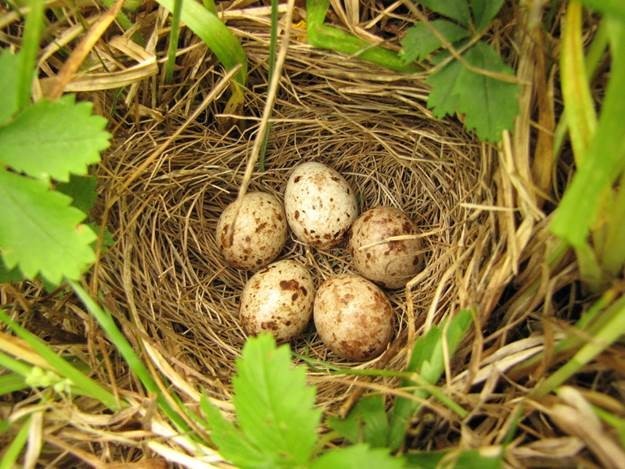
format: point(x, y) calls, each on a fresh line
point(428, 361)
point(40, 232)
point(419, 41)
point(9, 275)
point(357, 457)
point(484, 11)
point(274, 405)
point(82, 190)
point(489, 105)
point(232, 444)
point(54, 139)
point(367, 423)
point(455, 9)
point(9, 72)
point(443, 98)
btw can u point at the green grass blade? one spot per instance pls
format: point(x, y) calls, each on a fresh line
point(578, 104)
point(332, 38)
point(30, 46)
point(613, 252)
point(215, 34)
point(210, 6)
point(106, 322)
point(12, 452)
point(61, 366)
point(612, 328)
point(428, 360)
point(14, 365)
point(11, 382)
point(604, 160)
point(172, 47)
point(595, 54)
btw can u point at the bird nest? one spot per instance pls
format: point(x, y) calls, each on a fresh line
point(165, 278)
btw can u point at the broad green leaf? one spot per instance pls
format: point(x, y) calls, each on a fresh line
point(357, 457)
point(428, 361)
point(419, 41)
point(367, 423)
point(232, 444)
point(82, 191)
point(40, 232)
point(489, 105)
point(9, 71)
point(484, 11)
point(54, 139)
point(455, 9)
point(488, 458)
point(613, 8)
point(274, 405)
point(604, 160)
point(444, 99)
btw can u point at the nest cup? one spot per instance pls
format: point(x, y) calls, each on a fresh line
point(165, 276)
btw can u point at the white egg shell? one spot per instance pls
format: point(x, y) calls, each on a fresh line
point(320, 204)
point(392, 263)
point(278, 299)
point(353, 317)
point(259, 234)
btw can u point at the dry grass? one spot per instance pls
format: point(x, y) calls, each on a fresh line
point(477, 208)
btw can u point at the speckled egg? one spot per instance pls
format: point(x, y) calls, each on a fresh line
point(320, 205)
point(278, 299)
point(259, 234)
point(353, 317)
point(392, 263)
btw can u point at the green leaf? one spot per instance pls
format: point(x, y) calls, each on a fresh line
point(357, 457)
point(604, 160)
point(40, 232)
point(9, 72)
point(490, 105)
point(54, 139)
point(274, 405)
point(444, 99)
point(366, 423)
point(9, 275)
point(455, 9)
point(82, 191)
point(428, 361)
point(484, 11)
point(419, 41)
point(232, 444)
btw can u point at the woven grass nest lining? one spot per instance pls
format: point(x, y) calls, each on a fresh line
point(165, 269)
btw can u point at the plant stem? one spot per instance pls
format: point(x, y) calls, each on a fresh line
point(172, 47)
point(30, 46)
